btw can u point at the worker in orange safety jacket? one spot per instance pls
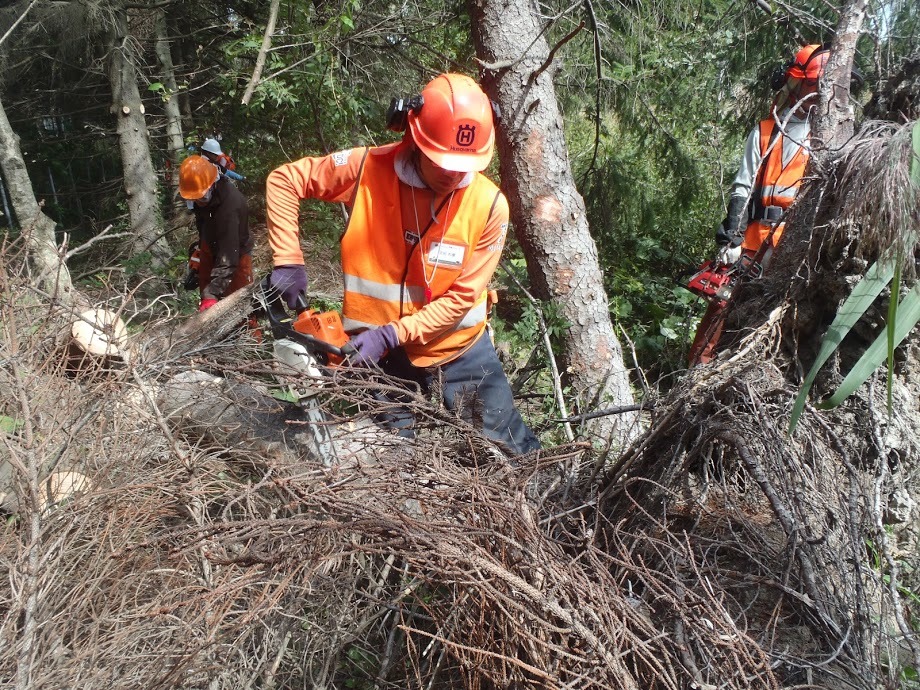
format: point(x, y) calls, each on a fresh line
point(771, 172)
point(222, 217)
point(424, 237)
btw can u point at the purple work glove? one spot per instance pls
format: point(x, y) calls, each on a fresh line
point(290, 281)
point(366, 348)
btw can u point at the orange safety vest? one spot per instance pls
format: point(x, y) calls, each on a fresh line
point(776, 187)
point(387, 277)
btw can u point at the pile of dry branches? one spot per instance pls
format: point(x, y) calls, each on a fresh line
point(214, 548)
point(188, 562)
point(776, 528)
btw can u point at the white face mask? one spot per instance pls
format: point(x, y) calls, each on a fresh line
point(204, 199)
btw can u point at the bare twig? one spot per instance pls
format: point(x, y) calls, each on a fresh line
point(18, 20)
point(263, 50)
point(544, 334)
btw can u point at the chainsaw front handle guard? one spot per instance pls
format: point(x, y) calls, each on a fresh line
point(748, 266)
point(282, 324)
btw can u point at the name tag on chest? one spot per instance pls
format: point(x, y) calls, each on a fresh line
point(443, 254)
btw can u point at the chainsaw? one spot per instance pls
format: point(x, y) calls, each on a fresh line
point(190, 281)
point(307, 343)
point(307, 340)
point(715, 282)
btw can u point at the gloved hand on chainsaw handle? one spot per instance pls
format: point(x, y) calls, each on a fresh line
point(730, 231)
point(729, 234)
point(728, 255)
point(367, 348)
point(290, 281)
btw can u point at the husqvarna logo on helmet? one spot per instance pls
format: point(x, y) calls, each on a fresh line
point(466, 134)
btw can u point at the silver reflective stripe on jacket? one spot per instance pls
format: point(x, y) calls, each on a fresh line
point(473, 317)
point(778, 192)
point(353, 325)
point(382, 291)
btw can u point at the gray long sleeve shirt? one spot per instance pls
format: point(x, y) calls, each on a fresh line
point(795, 136)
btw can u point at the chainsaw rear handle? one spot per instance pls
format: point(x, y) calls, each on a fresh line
point(282, 324)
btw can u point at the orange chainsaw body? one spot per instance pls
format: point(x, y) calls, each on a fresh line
point(325, 326)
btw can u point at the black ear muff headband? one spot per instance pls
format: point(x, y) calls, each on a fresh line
point(398, 113)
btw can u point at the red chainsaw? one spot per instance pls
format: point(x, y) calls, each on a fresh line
point(716, 281)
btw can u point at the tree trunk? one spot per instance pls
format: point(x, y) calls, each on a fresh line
point(139, 175)
point(37, 228)
point(836, 118)
point(183, 51)
point(546, 208)
point(174, 140)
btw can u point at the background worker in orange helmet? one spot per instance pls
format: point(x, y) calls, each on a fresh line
point(222, 217)
point(424, 237)
point(767, 182)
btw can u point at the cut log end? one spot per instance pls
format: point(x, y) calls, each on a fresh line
point(98, 341)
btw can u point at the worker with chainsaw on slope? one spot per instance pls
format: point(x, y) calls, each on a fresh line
point(424, 237)
point(771, 173)
point(222, 218)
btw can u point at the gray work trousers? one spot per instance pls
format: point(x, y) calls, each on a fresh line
point(474, 383)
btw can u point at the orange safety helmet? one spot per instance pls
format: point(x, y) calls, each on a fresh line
point(809, 63)
point(454, 125)
point(196, 175)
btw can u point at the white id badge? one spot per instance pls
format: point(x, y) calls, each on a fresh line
point(443, 254)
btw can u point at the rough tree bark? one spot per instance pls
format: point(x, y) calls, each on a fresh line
point(38, 229)
point(546, 208)
point(175, 142)
point(139, 174)
point(836, 118)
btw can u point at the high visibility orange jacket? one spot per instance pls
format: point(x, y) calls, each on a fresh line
point(778, 184)
point(419, 261)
